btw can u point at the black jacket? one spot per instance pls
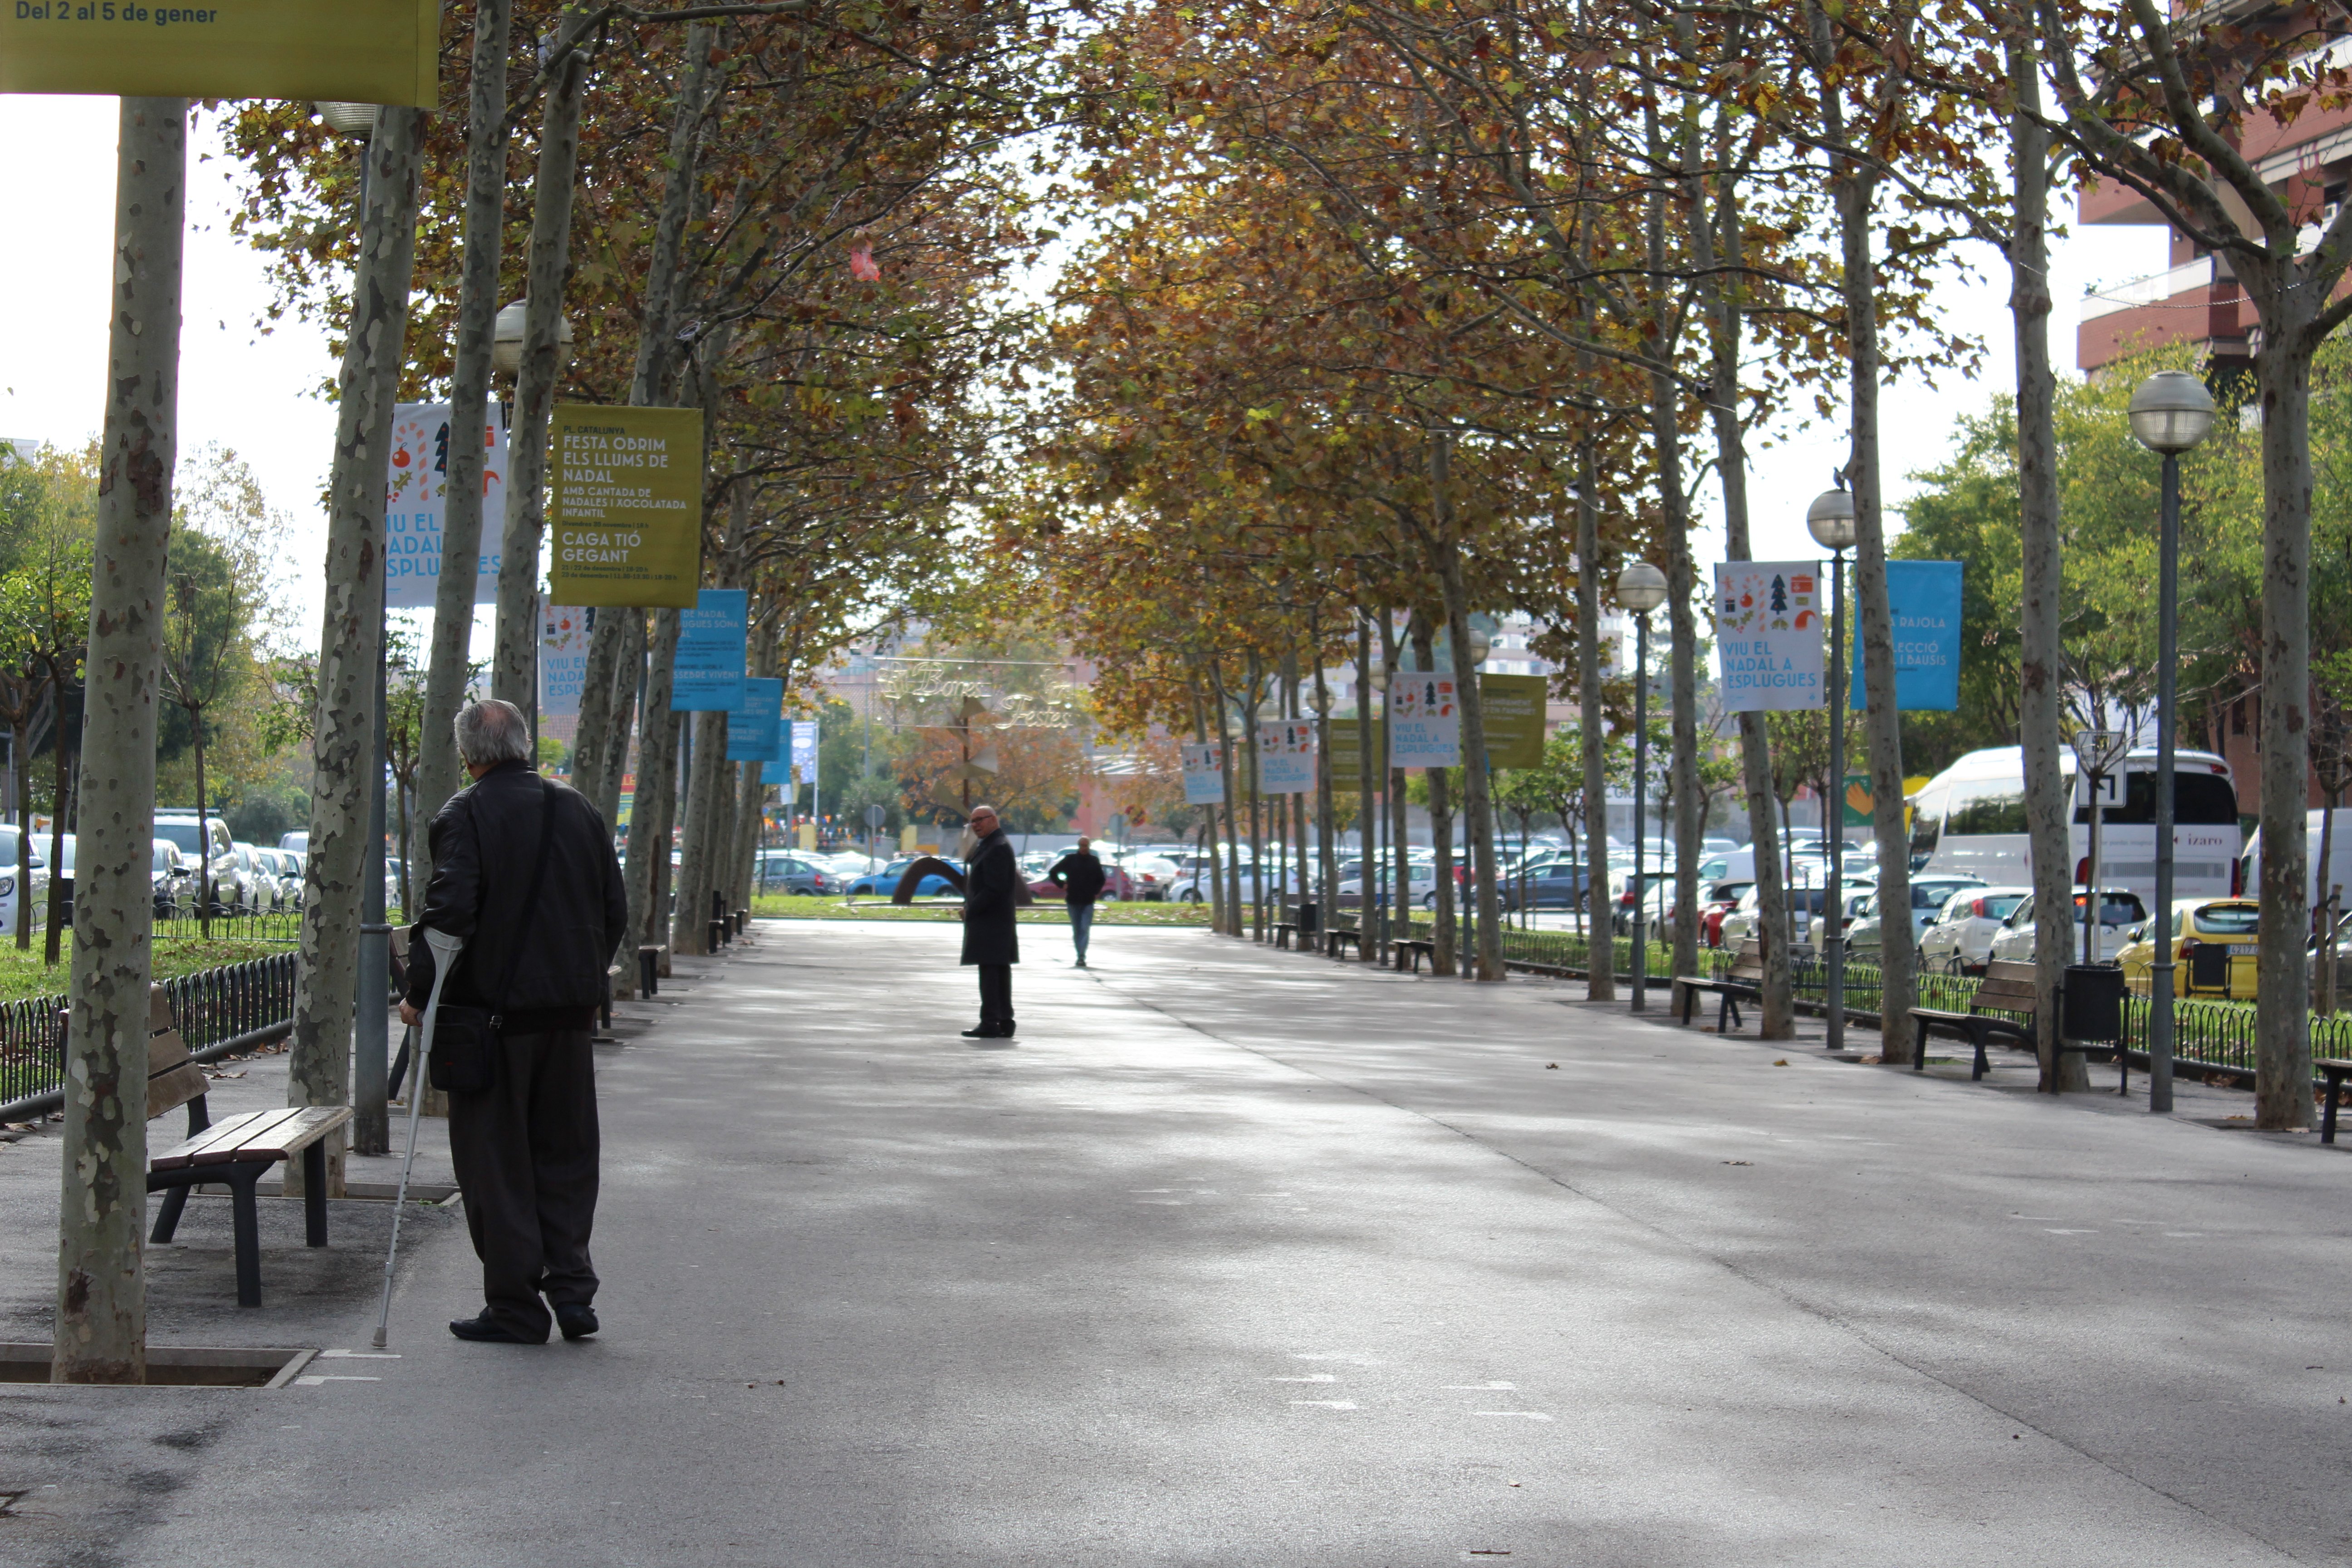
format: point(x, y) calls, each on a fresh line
point(485, 844)
point(1079, 876)
point(989, 900)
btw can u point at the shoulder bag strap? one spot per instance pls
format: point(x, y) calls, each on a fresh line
point(530, 901)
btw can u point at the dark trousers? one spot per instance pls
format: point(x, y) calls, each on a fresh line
point(526, 1152)
point(995, 996)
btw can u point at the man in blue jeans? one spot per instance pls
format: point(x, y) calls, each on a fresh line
point(1080, 876)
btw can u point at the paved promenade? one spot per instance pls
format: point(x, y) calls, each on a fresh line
point(1235, 1257)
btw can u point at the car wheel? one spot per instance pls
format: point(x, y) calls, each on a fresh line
point(1189, 896)
point(1429, 901)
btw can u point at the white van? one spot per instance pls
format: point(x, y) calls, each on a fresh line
point(2339, 852)
point(1969, 820)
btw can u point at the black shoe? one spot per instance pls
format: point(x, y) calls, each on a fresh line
point(486, 1330)
point(985, 1031)
point(576, 1319)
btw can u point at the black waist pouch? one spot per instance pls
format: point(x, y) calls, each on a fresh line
point(465, 1050)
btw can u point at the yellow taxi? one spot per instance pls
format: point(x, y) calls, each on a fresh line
point(2213, 954)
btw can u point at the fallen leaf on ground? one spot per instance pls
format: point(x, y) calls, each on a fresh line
point(1782, 1063)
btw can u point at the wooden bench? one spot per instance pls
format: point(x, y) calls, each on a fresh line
point(1338, 937)
point(239, 1151)
point(2336, 1068)
point(1743, 980)
point(2007, 987)
point(1282, 931)
point(236, 1151)
point(1412, 950)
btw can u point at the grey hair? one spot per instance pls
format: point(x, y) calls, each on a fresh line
point(492, 731)
point(983, 805)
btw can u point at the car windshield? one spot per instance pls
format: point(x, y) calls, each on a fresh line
point(1998, 907)
point(182, 834)
point(2229, 920)
point(1932, 895)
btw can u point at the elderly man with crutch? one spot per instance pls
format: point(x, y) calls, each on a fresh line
point(525, 878)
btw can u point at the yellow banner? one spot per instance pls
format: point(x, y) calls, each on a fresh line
point(1514, 718)
point(624, 505)
point(1347, 768)
point(357, 51)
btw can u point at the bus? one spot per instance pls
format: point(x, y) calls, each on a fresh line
point(1969, 820)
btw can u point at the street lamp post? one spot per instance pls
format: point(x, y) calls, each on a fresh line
point(1640, 589)
point(2170, 413)
point(1830, 520)
point(1474, 650)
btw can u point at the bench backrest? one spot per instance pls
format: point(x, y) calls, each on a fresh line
point(173, 1076)
point(1748, 963)
point(2008, 987)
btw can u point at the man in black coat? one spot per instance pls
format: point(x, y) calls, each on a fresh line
point(992, 891)
point(1080, 876)
point(525, 1148)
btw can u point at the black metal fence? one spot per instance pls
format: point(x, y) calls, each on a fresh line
point(218, 1011)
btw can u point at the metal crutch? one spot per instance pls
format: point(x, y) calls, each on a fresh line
point(445, 949)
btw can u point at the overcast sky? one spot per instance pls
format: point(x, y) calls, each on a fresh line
point(257, 392)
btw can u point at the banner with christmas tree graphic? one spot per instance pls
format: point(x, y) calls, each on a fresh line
point(1767, 635)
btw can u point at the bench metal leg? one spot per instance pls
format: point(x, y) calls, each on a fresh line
point(241, 1178)
point(314, 1193)
point(648, 981)
point(1919, 1046)
point(1690, 1002)
point(1981, 1067)
point(2327, 1111)
point(167, 1218)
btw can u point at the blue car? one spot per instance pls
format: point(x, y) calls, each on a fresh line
point(883, 883)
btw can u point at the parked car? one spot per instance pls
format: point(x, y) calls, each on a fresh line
point(9, 892)
point(782, 871)
point(242, 883)
point(173, 880)
point(2214, 949)
point(1930, 895)
point(1961, 940)
point(299, 843)
point(1715, 902)
point(285, 881)
point(1421, 888)
point(2119, 909)
point(883, 883)
point(1551, 885)
point(1117, 883)
point(1806, 903)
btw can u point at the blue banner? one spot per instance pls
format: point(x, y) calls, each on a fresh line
point(751, 729)
point(1926, 598)
point(802, 743)
point(710, 642)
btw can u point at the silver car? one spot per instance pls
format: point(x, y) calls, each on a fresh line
point(2118, 908)
point(1930, 895)
point(1960, 941)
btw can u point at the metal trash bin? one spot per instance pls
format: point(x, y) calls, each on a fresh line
point(2093, 1002)
point(1310, 918)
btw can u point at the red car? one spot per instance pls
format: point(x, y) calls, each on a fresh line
point(1718, 901)
point(1117, 884)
